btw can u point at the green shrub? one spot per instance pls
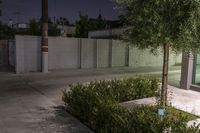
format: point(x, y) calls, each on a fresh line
point(120, 90)
point(112, 118)
point(145, 119)
point(97, 105)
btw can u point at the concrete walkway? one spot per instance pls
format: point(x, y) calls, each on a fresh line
point(185, 100)
point(30, 103)
point(26, 108)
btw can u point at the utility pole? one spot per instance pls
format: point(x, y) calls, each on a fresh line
point(44, 37)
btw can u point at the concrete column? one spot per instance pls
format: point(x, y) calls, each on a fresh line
point(96, 54)
point(80, 52)
point(127, 56)
point(187, 71)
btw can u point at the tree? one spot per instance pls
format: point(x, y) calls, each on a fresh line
point(34, 27)
point(122, 20)
point(86, 24)
point(167, 23)
point(98, 23)
point(53, 30)
point(6, 32)
point(63, 21)
point(82, 26)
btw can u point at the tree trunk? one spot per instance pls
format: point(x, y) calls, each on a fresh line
point(165, 75)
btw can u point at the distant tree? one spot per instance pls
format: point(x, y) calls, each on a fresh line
point(86, 24)
point(6, 32)
point(53, 30)
point(50, 21)
point(82, 26)
point(122, 20)
point(34, 27)
point(62, 21)
point(97, 24)
point(166, 23)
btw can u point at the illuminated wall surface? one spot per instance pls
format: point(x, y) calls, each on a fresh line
point(197, 69)
point(68, 53)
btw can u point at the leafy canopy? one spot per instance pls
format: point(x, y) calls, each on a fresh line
point(155, 22)
point(86, 24)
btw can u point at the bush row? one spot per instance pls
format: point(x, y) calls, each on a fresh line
point(97, 105)
point(120, 90)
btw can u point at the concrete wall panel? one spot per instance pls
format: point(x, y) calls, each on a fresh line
point(88, 53)
point(28, 54)
point(178, 58)
point(63, 53)
point(118, 54)
point(67, 53)
point(103, 53)
point(140, 58)
point(4, 55)
point(12, 53)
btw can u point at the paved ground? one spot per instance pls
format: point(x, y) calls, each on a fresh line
point(185, 100)
point(30, 103)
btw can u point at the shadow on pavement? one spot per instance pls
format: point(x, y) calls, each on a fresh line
point(7, 69)
point(67, 123)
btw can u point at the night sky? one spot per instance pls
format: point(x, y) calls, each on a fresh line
point(65, 8)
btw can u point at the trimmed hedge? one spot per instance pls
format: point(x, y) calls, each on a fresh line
point(97, 105)
point(119, 90)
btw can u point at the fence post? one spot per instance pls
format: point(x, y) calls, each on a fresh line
point(96, 54)
point(80, 53)
point(127, 58)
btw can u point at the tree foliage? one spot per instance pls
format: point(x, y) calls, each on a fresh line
point(82, 26)
point(155, 22)
point(53, 30)
point(6, 32)
point(86, 24)
point(34, 27)
point(62, 21)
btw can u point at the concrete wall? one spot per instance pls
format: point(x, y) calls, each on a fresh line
point(64, 53)
point(103, 57)
point(76, 53)
point(88, 53)
point(12, 53)
point(119, 54)
point(110, 33)
point(4, 55)
point(178, 58)
point(28, 54)
point(138, 58)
